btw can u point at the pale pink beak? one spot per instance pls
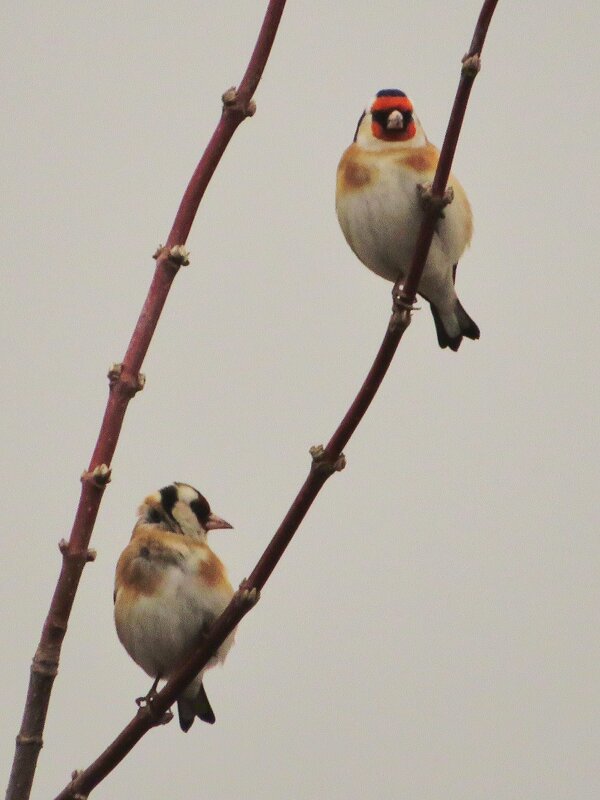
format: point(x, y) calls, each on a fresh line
point(215, 523)
point(395, 121)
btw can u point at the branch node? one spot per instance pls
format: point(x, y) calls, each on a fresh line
point(88, 555)
point(231, 101)
point(46, 667)
point(114, 373)
point(432, 201)
point(99, 477)
point(247, 595)
point(471, 65)
point(37, 740)
point(133, 383)
point(77, 773)
point(179, 256)
point(229, 96)
point(173, 257)
point(323, 462)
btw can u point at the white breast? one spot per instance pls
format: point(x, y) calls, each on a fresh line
point(381, 223)
point(158, 630)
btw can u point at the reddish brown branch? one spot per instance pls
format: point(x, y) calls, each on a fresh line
point(83, 782)
point(125, 381)
point(405, 296)
point(326, 461)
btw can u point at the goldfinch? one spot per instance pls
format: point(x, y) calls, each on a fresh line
point(378, 203)
point(169, 588)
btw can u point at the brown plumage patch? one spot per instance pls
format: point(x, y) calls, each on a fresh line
point(133, 575)
point(141, 566)
point(422, 160)
point(211, 569)
point(356, 175)
point(352, 174)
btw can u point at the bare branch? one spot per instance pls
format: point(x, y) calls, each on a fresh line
point(471, 63)
point(125, 380)
point(325, 460)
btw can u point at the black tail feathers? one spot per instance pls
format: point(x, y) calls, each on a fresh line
point(199, 707)
point(464, 322)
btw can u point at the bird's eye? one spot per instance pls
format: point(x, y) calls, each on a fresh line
point(201, 509)
point(154, 516)
point(380, 117)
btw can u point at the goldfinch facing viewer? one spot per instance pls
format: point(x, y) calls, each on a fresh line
point(379, 209)
point(169, 587)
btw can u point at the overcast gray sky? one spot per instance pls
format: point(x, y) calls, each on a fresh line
point(433, 631)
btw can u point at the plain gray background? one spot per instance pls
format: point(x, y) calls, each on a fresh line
point(433, 631)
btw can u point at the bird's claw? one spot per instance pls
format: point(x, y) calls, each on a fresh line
point(400, 302)
point(165, 718)
point(142, 702)
point(147, 702)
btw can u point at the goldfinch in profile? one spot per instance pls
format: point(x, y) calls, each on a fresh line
point(169, 588)
point(378, 204)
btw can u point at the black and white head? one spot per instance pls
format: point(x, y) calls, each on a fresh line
point(181, 509)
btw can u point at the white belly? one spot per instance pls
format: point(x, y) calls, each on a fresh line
point(381, 223)
point(159, 630)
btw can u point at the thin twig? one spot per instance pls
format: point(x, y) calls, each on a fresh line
point(125, 380)
point(405, 296)
point(325, 462)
